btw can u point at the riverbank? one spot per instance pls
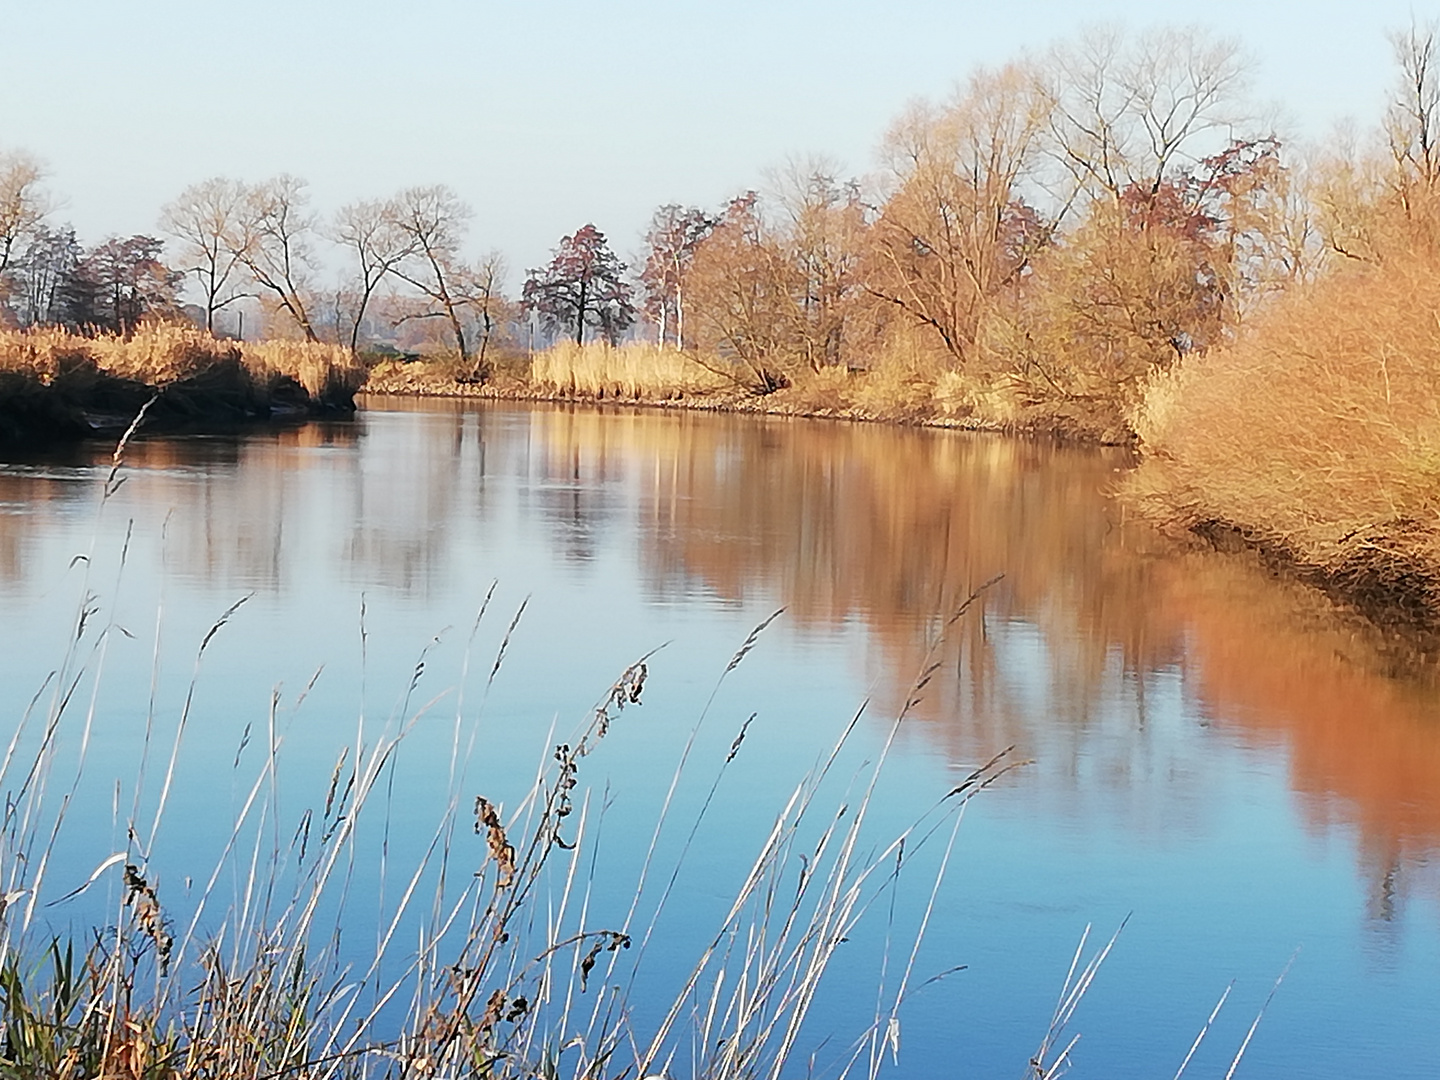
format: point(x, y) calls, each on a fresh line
point(644, 375)
point(1314, 438)
point(57, 386)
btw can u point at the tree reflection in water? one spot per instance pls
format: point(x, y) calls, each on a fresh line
point(1077, 656)
point(895, 528)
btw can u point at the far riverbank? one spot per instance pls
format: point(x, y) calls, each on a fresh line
point(861, 397)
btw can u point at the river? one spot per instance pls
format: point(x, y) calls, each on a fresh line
point(1204, 753)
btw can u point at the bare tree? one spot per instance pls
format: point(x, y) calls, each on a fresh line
point(674, 234)
point(1413, 120)
point(743, 288)
point(822, 238)
point(38, 276)
point(371, 232)
point(433, 220)
point(485, 283)
point(1127, 113)
point(23, 204)
point(957, 231)
point(205, 218)
point(271, 240)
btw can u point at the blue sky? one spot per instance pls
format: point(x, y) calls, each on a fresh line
point(548, 114)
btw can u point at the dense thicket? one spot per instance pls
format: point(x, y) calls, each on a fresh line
point(1314, 431)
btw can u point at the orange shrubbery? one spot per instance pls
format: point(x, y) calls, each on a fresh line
point(1318, 431)
point(1315, 432)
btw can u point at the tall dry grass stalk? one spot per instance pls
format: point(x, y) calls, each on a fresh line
point(1317, 433)
point(636, 371)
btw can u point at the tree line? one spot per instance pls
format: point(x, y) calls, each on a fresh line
point(48, 278)
point(1071, 222)
point(1064, 224)
point(234, 242)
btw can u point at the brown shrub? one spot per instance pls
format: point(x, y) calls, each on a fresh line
point(1317, 433)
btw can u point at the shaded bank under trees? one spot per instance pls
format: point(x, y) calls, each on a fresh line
point(59, 386)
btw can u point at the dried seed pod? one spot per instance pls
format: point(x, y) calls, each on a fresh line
point(501, 850)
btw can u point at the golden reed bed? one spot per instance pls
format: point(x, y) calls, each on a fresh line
point(56, 384)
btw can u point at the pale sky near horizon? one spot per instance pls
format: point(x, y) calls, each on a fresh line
point(548, 114)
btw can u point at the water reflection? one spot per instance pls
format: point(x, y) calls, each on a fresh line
point(896, 528)
point(848, 526)
point(226, 499)
point(1276, 667)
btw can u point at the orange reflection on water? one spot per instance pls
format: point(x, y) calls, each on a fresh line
point(848, 525)
point(892, 527)
point(895, 528)
point(1278, 666)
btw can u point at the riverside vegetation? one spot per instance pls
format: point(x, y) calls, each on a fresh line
point(1313, 434)
point(55, 384)
point(1257, 321)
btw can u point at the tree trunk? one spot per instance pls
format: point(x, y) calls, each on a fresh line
point(365, 294)
point(211, 292)
point(580, 314)
point(459, 332)
point(299, 312)
point(481, 372)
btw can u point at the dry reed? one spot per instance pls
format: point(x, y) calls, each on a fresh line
point(323, 370)
point(163, 355)
point(1317, 434)
point(636, 371)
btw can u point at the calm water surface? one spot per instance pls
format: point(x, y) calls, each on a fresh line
point(1213, 755)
